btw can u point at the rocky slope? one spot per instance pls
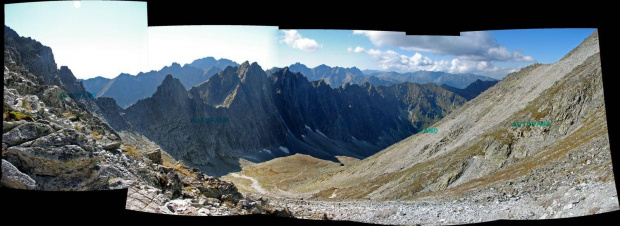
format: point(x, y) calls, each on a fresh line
point(64, 144)
point(479, 158)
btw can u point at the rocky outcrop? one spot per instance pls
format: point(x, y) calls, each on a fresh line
point(62, 144)
point(55, 141)
point(13, 178)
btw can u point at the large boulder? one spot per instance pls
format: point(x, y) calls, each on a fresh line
point(69, 161)
point(26, 132)
point(13, 178)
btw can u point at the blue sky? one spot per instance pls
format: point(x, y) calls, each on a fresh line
point(489, 53)
point(109, 38)
point(96, 38)
point(184, 44)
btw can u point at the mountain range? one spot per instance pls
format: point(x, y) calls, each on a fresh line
point(296, 139)
point(127, 89)
point(338, 76)
point(285, 114)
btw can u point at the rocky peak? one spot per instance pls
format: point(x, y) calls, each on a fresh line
point(250, 72)
point(35, 57)
point(69, 81)
point(170, 87)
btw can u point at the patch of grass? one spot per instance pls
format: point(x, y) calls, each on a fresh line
point(68, 114)
point(96, 135)
point(18, 116)
point(179, 168)
point(130, 150)
point(26, 105)
point(79, 128)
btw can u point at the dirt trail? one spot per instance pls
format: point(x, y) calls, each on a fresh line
point(254, 185)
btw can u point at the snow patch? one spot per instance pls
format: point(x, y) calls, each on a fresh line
point(321, 133)
point(284, 150)
point(268, 151)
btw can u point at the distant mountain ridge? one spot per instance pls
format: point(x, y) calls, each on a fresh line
point(472, 90)
point(127, 89)
point(338, 76)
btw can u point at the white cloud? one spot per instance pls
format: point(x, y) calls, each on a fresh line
point(393, 61)
point(294, 39)
point(358, 49)
point(473, 46)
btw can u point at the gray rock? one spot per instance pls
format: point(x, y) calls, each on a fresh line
point(69, 161)
point(26, 132)
point(112, 146)
point(13, 178)
point(154, 156)
point(6, 126)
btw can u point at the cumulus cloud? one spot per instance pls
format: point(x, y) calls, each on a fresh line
point(393, 61)
point(472, 46)
point(295, 40)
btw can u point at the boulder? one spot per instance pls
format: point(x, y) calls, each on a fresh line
point(26, 132)
point(154, 156)
point(13, 178)
point(66, 162)
point(112, 146)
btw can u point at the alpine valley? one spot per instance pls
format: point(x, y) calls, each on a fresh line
point(217, 137)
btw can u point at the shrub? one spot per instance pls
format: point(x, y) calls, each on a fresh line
point(96, 135)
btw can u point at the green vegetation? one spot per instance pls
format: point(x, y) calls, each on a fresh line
point(17, 116)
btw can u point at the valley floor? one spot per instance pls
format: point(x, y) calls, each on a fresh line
point(567, 202)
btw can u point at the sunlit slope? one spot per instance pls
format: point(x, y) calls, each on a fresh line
point(476, 147)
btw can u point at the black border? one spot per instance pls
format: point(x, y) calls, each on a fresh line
point(433, 18)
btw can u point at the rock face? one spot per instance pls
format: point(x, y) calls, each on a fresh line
point(338, 76)
point(127, 89)
point(54, 141)
point(243, 99)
